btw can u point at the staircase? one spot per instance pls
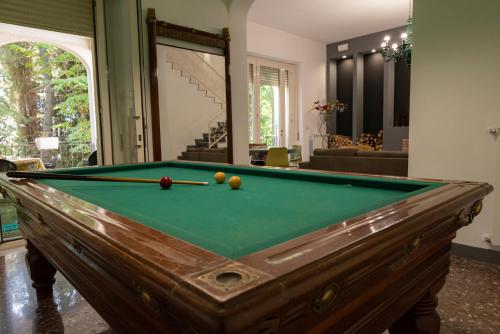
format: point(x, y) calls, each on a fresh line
point(212, 84)
point(216, 138)
point(200, 73)
point(212, 147)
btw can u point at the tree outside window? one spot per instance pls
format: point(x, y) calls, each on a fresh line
point(43, 93)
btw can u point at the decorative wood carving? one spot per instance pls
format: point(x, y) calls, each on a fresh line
point(41, 271)
point(191, 35)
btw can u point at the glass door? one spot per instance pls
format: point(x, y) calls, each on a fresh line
point(269, 106)
point(270, 102)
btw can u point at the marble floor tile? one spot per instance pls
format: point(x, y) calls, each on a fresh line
point(470, 299)
point(468, 303)
point(20, 312)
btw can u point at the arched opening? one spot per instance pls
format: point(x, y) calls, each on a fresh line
point(46, 105)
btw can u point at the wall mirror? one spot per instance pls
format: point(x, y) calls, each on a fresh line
point(190, 89)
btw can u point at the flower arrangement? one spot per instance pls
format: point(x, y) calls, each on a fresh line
point(326, 112)
point(330, 107)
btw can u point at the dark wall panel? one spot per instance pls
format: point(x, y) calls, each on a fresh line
point(344, 94)
point(373, 93)
point(401, 94)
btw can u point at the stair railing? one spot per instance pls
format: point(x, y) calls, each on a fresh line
point(214, 138)
point(224, 135)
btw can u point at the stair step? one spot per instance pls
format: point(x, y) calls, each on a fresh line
point(189, 156)
point(172, 60)
point(217, 132)
point(201, 143)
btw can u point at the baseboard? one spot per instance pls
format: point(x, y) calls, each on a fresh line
point(476, 253)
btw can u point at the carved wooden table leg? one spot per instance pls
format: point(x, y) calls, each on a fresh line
point(41, 271)
point(420, 319)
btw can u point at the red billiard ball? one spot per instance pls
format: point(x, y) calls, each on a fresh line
point(165, 182)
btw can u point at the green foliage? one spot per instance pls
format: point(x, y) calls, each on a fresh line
point(54, 82)
point(17, 82)
point(250, 113)
point(8, 124)
point(266, 114)
point(5, 109)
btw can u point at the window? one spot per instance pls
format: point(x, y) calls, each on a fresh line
point(272, 107)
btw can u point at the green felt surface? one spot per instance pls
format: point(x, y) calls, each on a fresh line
point(271, 206)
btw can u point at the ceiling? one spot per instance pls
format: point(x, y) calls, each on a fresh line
point(330, 20)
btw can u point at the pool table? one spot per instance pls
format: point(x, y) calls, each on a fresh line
point(291, 251)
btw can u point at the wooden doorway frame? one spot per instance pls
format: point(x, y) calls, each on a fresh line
point(173, 31)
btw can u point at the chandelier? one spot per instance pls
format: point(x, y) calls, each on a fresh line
point(401, 51)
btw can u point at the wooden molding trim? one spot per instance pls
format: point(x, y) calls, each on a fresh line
point(153, 85)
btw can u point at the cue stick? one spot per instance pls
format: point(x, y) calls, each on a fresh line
point(37, 175)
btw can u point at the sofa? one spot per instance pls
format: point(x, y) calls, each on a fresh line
point(358, 161)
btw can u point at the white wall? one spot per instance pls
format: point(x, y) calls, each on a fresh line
point(454, 100)
point(238, 12)
point(217, 62)
point(207, 15)
point(310, 56)
point(184, 110)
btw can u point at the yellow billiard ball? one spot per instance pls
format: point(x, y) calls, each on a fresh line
point(234, 182)
point(220, 177)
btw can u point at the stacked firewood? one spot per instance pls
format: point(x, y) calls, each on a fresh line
point(372, 140)
point(336, 141)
